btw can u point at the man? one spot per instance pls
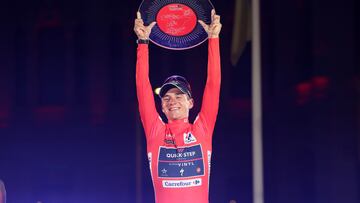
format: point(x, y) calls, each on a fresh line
point(179, 152)
point(2, 192)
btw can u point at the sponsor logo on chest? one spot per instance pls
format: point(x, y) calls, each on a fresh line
point(181, 162)
point(189, 138)
point(181, 183)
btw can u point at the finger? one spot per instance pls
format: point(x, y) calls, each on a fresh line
point(151, 25)
point(216, 19)
point(217, 27)
point(139, 30)
point(139, 24)
point(212, 14)
point(204, 25)
point(138, 15)
point(139, 21)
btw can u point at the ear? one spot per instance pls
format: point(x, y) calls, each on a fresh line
point(191, 103)
point(162, 107)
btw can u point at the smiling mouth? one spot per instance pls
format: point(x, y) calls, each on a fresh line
point(174, 109)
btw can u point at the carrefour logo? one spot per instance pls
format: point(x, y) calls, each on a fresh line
point(181, 183)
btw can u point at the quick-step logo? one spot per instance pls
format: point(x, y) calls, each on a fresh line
point(180, 162)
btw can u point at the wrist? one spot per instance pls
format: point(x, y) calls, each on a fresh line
point(142, 41)
point(213, 36)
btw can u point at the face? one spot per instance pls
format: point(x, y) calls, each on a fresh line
point(176, 105)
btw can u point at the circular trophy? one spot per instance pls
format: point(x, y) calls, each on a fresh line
point(177, 25)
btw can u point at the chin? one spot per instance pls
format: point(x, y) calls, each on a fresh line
point(173, 118)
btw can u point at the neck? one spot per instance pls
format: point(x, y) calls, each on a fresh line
point(183, 120)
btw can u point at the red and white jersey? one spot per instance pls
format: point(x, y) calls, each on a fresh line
point(179, 152)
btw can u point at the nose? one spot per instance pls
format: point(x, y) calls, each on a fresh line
point(172, 101)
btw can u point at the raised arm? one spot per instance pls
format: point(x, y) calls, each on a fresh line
point(210, 103)
point(144, 92)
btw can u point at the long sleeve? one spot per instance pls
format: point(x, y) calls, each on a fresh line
point(210, 102)
point(148, 113)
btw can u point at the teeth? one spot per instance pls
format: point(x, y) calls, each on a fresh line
point(171, 109)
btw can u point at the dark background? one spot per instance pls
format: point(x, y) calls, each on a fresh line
point(69, 127)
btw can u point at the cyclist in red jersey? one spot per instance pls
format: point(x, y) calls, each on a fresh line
point(179, 152)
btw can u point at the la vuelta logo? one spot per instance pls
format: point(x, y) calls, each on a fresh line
point(189, 138)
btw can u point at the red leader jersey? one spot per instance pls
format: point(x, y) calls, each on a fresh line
point(179, 152)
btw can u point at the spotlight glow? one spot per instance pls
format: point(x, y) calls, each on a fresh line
point(157, 90)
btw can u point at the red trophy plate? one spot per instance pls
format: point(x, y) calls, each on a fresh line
point(177, 24)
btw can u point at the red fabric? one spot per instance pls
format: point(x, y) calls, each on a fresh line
point(179, 152)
